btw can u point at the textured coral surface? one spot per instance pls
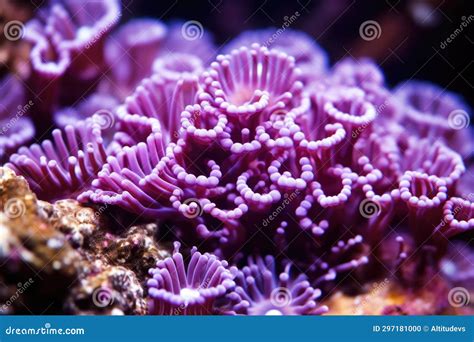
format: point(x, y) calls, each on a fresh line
point(147, 170)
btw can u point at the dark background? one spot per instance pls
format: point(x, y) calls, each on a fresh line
point(409, 45)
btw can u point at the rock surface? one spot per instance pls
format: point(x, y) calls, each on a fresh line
point(69, 258)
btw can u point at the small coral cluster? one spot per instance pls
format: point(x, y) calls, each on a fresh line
point(294, 179)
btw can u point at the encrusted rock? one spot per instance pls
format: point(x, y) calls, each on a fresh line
point(136, 249)
point(107, 290)
point(90, 231)
point(76, 221)
point(30, 248)
point(115, 261)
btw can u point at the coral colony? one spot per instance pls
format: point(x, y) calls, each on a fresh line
point(272, 181)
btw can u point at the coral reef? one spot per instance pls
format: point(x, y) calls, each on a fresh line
point(178, 178)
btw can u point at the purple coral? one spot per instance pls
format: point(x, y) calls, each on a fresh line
point(14, 133)
point(188, 287)
point(16, 129)
point(65, 164)
point(328, 149)
point(252, 82)
point(260, 290)
point(138, 178)
point(357, 73)
point(458, 216)
point(67, 51)
point(162, 96)
point(129, 54)
point(309, 56)
point(262, 150)
point(177, 66)
point(96, 103)
point(432, 112)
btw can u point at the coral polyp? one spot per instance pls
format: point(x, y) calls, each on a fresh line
point(260, 290)
point(180, 287)
point(65, 164)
